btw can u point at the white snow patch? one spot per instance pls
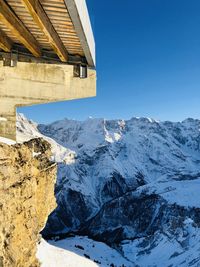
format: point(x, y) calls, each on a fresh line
point(7, 141)
point(35, 154)
point(184, 193)
point(166, 250)
point(70, 253)
point(3, 119)
point(52, 256)
point(27, 129)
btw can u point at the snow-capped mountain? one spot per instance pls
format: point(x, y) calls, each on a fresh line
point(132, 184)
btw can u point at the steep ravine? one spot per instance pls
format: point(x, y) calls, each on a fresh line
point(26, 199)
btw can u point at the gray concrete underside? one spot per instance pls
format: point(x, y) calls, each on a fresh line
point(38, 83)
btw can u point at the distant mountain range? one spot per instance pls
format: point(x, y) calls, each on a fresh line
point(134, 185)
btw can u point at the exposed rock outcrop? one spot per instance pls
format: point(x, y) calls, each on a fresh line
point(27, 178)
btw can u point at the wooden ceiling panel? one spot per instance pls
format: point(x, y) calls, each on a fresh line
point(59, 17)
point(18, 29)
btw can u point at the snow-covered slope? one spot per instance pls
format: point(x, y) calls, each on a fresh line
point(132, 184)
point(27, 129)
point(164, 251)
point(79, 252)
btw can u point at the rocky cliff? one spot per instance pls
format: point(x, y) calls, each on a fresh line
point(27, 178)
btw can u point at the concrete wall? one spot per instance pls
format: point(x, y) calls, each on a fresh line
point(35, 83)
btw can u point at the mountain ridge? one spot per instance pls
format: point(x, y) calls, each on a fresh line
point(124, 181)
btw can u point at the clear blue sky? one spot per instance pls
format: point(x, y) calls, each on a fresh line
point(148, 62)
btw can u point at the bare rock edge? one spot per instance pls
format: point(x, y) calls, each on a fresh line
point(27, 179)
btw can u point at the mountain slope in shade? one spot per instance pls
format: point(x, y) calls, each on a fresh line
point(132, 184)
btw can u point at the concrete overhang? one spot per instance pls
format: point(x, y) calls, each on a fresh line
point(47, 47)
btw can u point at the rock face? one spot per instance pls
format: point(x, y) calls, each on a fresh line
point(27, 178)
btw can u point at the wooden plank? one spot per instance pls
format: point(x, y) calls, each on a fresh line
point(8, 17)
point(5, 42)
point(41, 19)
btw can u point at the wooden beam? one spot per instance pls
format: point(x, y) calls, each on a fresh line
point(8, 17)
point(5, 42)
point(42, 20)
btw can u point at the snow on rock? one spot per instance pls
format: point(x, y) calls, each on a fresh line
point(3, 119)
point(183, 193)
point(7, 141)
point(166, 249)
point(27, 129)
point(79, 252)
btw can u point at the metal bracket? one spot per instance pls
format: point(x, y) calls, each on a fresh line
point(80, 71)
point(9, 59)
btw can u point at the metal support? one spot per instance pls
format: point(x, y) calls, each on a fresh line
point(9, 59)
point(80, 71)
